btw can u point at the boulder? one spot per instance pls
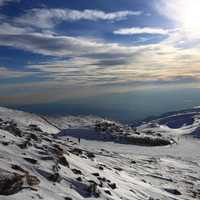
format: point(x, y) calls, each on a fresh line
point(108, 192)
point(63, 161)
point(112, 185)
point(90, 155)
point(32, 180)
point(10, 183)
point(34, 127)
point(77, 171)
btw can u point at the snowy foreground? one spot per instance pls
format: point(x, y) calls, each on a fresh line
point(41, 158)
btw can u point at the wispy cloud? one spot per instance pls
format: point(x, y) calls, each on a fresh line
point(138, 30)
point(3, 2)
point(9, 29)
point(63, 45)
point(92, 62)
point(80, 61)
point(47, 18)
point(6, 73)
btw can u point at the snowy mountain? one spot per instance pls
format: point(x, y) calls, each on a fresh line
point(41, 158)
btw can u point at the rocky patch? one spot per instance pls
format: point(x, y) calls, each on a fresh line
point(10, 183)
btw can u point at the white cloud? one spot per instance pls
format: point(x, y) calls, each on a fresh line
point(138, 30)
point(6, 28)
point(47, 18)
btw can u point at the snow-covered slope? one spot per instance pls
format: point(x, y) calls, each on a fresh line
point(95, 128)
point(36, 163)
point(23, 119)
point(186, 122)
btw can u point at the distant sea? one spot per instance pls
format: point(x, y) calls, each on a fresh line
point(126, 107)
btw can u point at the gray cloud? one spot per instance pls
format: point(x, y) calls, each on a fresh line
point(112, 62)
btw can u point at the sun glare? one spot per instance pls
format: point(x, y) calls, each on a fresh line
point(189, 13)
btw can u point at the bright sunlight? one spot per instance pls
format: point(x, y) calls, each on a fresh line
point(190, 16)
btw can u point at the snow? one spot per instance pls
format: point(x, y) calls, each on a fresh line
point(24, 119)
point(139, 172)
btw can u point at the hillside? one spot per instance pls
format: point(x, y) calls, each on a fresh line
point(41, 158)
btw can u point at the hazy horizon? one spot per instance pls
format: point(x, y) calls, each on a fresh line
point(100, 57)
point(126, 107)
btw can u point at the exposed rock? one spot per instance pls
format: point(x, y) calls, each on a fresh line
point(79, 179)
point(54, 177)
point(34, 137)
point(108, 180)
point(172, 191)
point(30, 160)
point(10, 183)
point(67, 198)
point(34, 127)
point(63, 161)
point(95, 174)
point(101, 179)
point(101, 168)
point(56, 168)
point(46, 139)
point(90, 155)
point(18, 168)
point(58, 149)
point(77, 171)
point(112, 185)
point(14, 130)
point(5, 143)
point(32, 180)
point(46, 158)
point(146, 141)
point(118, 168)
point(133, 162)
point(76, 151)
point(108, 192)
point(24, 144)
point(92, 189)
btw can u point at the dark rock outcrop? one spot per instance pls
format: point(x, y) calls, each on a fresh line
point(172, 191)
point(30, 160)
point(77, 171)
point(10, 183)
point(63, 161)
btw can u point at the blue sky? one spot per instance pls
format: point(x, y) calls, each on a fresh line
point(51, 50)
